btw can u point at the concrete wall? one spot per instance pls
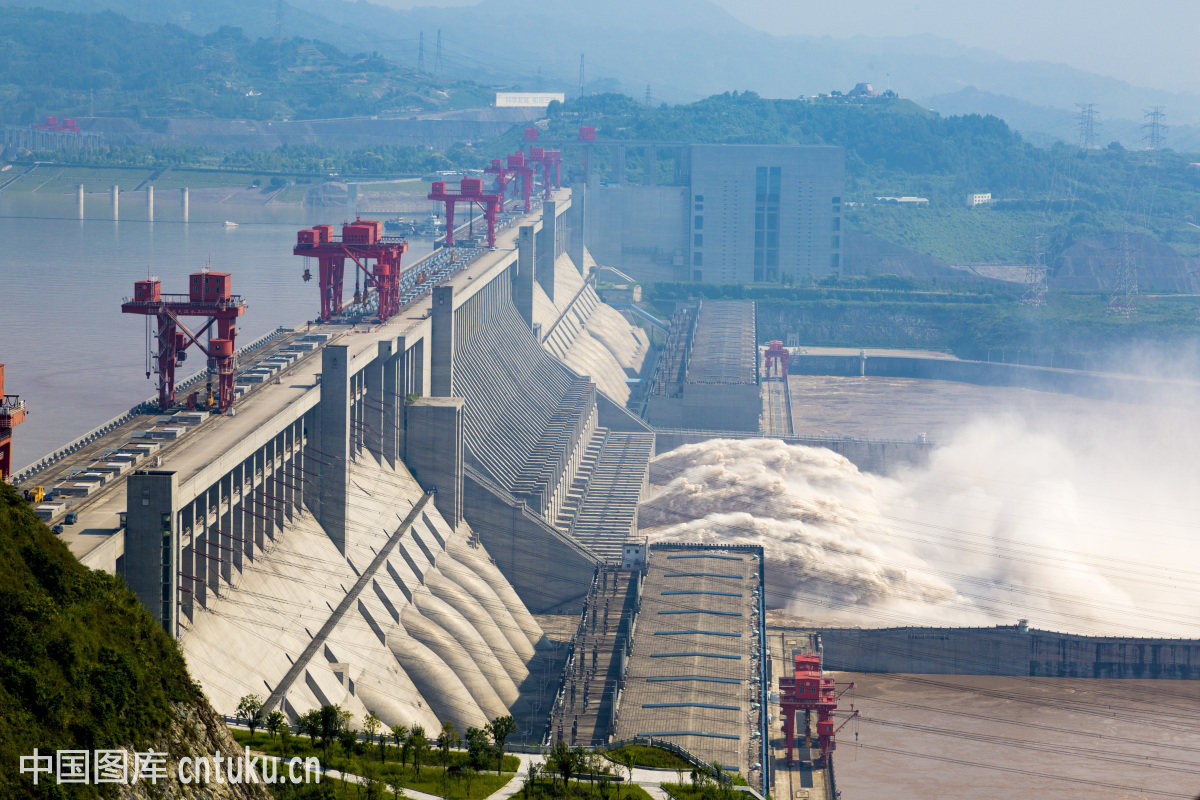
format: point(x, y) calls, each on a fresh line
point(711, 406)
point(725, 199)
point(1008, 650)
point(549, 572)
point(640, 230)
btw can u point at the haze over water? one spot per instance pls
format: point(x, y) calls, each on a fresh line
point(68, 350)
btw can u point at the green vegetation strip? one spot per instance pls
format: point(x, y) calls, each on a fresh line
point(648, 757)
point(457, 780)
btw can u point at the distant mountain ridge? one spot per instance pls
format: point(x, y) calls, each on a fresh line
point(71, 65)
point(677, 50)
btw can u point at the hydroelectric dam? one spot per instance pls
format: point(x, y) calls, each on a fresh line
point(387, 505)
point(390, 504)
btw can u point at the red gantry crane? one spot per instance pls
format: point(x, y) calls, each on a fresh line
point(362, 242)
point(805, 690)
point(470, 191)
point(551, 163)
point(517, 166)
point(209, 296)
point(12, 414)
point(775, 361)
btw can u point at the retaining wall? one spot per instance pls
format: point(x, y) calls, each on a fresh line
point(1008, 650)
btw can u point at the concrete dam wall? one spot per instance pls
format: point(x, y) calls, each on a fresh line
point(433, 633)
point(1008, 650)
point(547, 482)
point(372, 527)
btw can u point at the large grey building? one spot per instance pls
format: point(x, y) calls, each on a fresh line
point(734, 214)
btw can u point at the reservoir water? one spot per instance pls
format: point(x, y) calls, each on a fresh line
point(67, 349)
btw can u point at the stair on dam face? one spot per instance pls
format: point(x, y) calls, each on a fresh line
point(607, 515)
point(578, 489)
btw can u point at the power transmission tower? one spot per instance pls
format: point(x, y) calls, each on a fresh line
point(1155, 127)
point(647, 94)
point(437, 59)
point(1034, 295)
point(1087, 125)
point(581, 74)
point(278, 37)
point(1123, 299)
point(421, 52)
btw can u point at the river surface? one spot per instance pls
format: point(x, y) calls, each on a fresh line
point(67, 349)
point(945, 737)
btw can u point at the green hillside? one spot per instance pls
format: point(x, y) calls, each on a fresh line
point(895, 148)
point(76, 65)
point(82, 665)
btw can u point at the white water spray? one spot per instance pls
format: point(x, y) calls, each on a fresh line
point(1087, 525)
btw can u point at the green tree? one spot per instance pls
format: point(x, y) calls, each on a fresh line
point(400, 740)
point(310, 725)
point(348, 739)
point(330, 722)
point(500, 729)
point(478, 747)
point(564, 761)
point(531, 776)
point(276, 722)
point(372, 725)
point(447, 739)
point(417, 743)
point(249, 710)
point(627, 762)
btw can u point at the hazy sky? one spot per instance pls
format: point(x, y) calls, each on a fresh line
point(1151, 43)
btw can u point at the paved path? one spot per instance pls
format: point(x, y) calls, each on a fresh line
point(649, 779)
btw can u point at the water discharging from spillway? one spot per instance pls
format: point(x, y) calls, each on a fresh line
point(1082, 526)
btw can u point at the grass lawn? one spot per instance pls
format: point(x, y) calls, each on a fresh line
point(649, 757)
point(466, 785)
point(581, 790)
point(709, 791)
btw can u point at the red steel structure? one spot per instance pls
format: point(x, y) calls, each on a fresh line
point(12, 414)
point(209, 296)
point(805, 690)
point(362, 242)
point(587, 135)
point(516, 165)
point(68, 125)
point(551, 164)
point(775, 362)
point(470, 191)
point(503, 171)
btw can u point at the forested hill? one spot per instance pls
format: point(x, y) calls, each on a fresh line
point(105, 64)
point(893, 146)
point(84, 667)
